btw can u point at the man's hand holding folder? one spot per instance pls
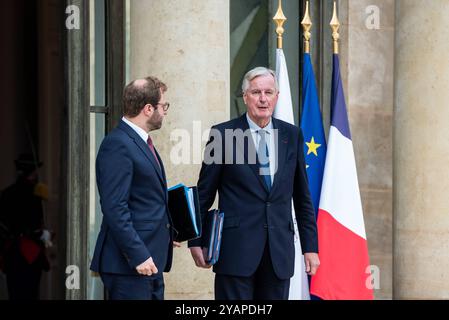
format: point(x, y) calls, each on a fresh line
point(199, 256)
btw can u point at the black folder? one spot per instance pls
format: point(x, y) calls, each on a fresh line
point(184, 209)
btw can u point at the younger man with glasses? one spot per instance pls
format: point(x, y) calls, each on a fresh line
point(134, 245)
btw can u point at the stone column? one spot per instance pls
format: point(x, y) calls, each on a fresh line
point(367, 69)
point(421, 144)
point(186, 45)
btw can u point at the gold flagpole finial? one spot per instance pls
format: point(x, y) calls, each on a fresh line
point(306, 26)
point(280, 19)
point(335, 25)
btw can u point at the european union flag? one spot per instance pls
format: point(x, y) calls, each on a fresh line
point(313, 132)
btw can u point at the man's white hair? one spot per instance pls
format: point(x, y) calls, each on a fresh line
point(257, 72)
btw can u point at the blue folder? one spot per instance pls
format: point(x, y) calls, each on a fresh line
point(213, 233)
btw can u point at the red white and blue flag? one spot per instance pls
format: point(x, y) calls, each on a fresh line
point(344, 272)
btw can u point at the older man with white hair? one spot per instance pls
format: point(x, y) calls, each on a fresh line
point(257, 250)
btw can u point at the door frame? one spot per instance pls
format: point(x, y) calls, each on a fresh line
point(77, 129)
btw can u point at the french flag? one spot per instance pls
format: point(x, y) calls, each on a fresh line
point(344, 272)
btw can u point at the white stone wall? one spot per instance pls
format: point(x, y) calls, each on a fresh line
point(421, 269)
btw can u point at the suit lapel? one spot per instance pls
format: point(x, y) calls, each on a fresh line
point(162, 167)
point(144, 148)
point(164, 177)
point(249, 148)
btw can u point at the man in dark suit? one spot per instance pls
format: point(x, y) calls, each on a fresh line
point(134, 245)
point(256, 164)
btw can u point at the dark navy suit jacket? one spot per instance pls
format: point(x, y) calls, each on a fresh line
point(253, 216)
point(133, 196)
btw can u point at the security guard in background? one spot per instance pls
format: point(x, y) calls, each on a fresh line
point(24, 236)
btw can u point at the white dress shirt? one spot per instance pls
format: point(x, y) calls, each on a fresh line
point(270, 137)
point(137, 129)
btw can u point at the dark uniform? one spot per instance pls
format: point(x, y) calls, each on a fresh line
point(23, 252)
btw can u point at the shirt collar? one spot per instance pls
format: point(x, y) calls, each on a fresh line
point(254, 127)
point(137, 129)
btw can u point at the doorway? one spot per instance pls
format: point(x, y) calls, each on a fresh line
point(33, 108)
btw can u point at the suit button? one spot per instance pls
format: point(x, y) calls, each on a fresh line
point(168, 225)
point(268, 204)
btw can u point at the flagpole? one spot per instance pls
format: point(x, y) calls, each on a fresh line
point(299, 287)
point(335, 25)
point(306, 26)
point(279, 19)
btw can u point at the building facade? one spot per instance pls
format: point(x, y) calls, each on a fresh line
point(67, 63)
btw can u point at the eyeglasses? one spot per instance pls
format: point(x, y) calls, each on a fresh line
point(165, 106)
point(268, 93)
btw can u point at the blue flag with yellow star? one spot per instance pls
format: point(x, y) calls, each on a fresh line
point(313, 132)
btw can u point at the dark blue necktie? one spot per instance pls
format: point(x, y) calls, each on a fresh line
point(264, 158)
